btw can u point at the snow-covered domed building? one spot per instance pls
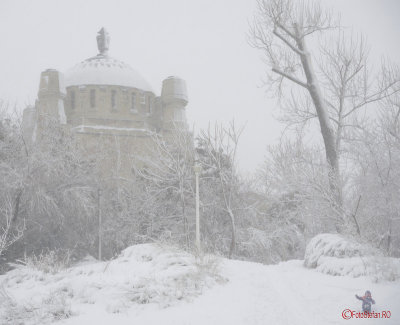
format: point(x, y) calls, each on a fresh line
point(105, 100)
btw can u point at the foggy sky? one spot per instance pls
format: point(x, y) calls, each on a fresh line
point(203, 42)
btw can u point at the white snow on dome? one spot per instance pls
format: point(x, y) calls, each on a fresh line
point(105, 70)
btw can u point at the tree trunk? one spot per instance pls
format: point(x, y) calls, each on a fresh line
point(322, 112)
point(185, 221)
point(327, 131)
point(11, 223)
point(16, 209)
point(233, 240)
point(389, 239)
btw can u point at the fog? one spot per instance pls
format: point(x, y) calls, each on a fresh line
point(110, 214)
point(204, 42)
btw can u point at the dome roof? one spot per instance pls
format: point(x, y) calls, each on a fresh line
point(105, 70)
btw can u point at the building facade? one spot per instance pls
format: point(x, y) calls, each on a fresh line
point(109, 106)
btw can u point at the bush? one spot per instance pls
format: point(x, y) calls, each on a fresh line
point(270, 246)
point(44, 311)
point(330, 245)
point(50, 261)
point(175, 275)
point(336, 255)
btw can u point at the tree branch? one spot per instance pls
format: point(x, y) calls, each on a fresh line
point(286, 30)
point(287, 76)
point(287, 43)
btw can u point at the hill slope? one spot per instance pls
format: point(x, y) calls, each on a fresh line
point(151, 285)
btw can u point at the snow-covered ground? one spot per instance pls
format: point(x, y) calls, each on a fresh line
point(151, 285)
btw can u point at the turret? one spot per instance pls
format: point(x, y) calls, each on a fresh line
point(174, 99)
point(51, 96)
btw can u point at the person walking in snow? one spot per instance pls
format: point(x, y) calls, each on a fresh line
point(366, 301)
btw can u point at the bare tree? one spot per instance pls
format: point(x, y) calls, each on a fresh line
point(294, 176)
point(281, 30)
point(12, 157)
point(332, 83)
point(217, 149)
point(376, 151)
point(47, 186)
point(167, 169)
point(10, 230)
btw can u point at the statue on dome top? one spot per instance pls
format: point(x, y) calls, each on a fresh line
point(103, 41)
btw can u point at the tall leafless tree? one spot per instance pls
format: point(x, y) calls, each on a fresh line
point(218, 153)
point(326, 71)
point(376, 151)
point(167, 169)
point(12, 158)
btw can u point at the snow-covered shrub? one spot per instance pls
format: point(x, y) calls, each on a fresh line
point(141, 274)
point(208, 265)
point(384, 268)
point(55, 306)
point(331, 245)
point(175, 275)
point(50, 261)
point(272, 245)
point(6, 302)
point(336, 255)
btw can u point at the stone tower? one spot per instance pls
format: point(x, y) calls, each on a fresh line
point(174, 100)
point(51, 96)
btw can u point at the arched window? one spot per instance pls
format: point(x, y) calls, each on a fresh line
point(133, 102)
point(149, 105)
point(92, 98)
point(113, 99)
point(73, 103)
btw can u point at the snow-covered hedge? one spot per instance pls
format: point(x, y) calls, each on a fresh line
point(336, 255)
point(330, 245)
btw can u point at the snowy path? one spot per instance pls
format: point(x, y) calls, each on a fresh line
point(258, 294)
